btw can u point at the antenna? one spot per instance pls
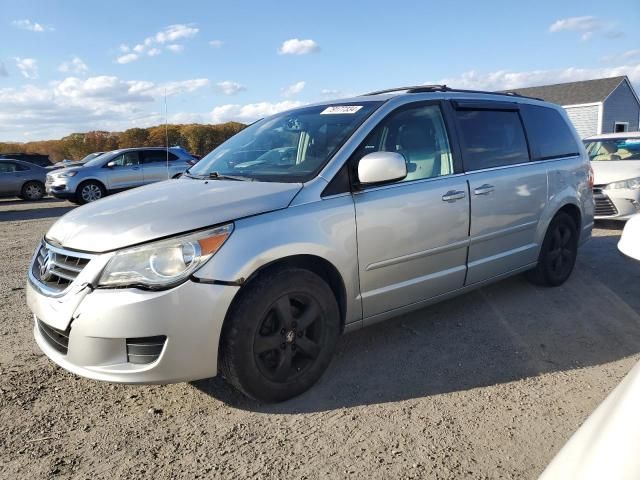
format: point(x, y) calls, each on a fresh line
point(166, 129)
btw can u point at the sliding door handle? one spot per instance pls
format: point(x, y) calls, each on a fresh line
point(453, 195)
point(484, 189)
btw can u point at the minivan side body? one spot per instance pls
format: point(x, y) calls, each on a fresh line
point(477, 211)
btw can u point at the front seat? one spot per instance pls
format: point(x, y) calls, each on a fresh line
point(419, 148)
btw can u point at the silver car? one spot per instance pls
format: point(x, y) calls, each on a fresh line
point(21, 179)
point(117, 171)
point(307, 224)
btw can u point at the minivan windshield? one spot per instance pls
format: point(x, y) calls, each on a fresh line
point(613, 149)
point(289, 147)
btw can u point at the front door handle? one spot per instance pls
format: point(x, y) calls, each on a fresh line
point(484, 189)
point(453, 195)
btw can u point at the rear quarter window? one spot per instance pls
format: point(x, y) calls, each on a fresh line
point(548, 133)
point(491, 138)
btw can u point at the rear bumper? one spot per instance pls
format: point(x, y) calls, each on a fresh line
point(184, 324)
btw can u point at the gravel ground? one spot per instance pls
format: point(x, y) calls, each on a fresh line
point(488, 385)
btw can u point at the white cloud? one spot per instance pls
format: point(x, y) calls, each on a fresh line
point(28, 67)
point(175, 32)
point(293, 89)
point(216, 43)
point(76, 104)
point(505, 80)
point(296, 46)
point(3, 70)
point(586, 26)
point(150, 45)
point(75, 65)
point(27, 24)
point(629, 55)
point(127, 58)
point(184, 86)
point(249, 112)
point(230, 88)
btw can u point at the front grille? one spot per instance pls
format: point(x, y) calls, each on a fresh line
point(604, 205)
point(145, 349)
point(57, 269)
point(57, 339)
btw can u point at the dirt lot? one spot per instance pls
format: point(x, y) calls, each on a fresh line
point(488, 385)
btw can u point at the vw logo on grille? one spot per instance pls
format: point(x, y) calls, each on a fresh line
point(45, 267)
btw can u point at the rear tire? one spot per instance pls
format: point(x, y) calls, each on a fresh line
point(89, 191)
point(32, 191)
point(280, 335)
point(557, 254)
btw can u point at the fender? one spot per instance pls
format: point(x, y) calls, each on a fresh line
point(325, 229)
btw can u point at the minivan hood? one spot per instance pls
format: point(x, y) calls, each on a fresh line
point(166, 208)
point(613, 171)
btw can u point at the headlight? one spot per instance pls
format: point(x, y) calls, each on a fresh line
point(67, 174)
point(632, 183)
point(164, 263)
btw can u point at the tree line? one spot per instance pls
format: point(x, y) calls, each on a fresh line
point(196, 138)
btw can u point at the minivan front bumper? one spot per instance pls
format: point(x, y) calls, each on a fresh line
point(105, 339)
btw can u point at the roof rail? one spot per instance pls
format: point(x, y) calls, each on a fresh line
point(444, 88)
point(411, 89)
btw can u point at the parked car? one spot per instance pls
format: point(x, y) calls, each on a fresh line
point(616, 165)
point(21, 179)
point(34, 158)
point(116, 171)
point(309, 223)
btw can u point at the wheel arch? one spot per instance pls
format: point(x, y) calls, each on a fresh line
point(313, 263)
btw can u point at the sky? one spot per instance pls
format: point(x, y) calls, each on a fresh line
point(76, 66)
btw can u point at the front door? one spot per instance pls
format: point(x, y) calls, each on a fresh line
point(413, 233)
point(126, 171)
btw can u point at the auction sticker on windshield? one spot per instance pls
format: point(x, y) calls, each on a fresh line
point(341, 109)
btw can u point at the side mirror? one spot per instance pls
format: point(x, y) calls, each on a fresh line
point(111, 164)
point(381, 167)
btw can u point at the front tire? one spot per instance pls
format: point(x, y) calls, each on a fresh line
point(557, 254)
point(32, 191)
point(280, 335)
point(89, 191)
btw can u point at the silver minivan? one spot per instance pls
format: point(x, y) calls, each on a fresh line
point(307, 224)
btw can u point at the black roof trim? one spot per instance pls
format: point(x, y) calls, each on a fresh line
point(443, 88)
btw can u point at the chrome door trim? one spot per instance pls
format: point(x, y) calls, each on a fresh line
point(502, 232)
point(413, 256)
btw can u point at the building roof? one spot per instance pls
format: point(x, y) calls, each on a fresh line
point(573, 93)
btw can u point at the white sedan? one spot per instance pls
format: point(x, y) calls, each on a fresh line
point(615, 158)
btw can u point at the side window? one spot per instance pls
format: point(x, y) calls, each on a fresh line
point(548, 133)
point(127, 159)
point(157, 156)
point(7, 167)
point(419, 134)
point(491, 138)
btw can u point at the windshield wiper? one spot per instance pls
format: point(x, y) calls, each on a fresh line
point(219, 176)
